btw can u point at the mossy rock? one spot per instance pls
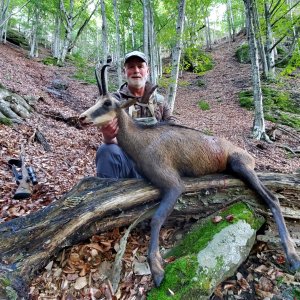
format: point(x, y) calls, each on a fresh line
point(6, 121)
point(279, 106)
point(50, 61)
point(209, 254)
point(242, 54)
point(17, 38)
point(196, 60)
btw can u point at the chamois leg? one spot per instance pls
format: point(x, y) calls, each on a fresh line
point(247, 174)
point(169, 197)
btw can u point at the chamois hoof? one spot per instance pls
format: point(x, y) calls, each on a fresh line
point(158, 278)
point(295, 266)
point(156, 265)
point(294, 261)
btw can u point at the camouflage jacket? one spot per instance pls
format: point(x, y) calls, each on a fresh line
point(155, 110)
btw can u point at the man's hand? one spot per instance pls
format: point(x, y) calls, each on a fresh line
point(110, 131)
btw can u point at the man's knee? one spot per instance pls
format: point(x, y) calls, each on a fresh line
point(107, 150)
point(109, 161)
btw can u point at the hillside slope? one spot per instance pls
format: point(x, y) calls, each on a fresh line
point(73, 150)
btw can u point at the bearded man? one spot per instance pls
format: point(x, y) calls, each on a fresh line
point(111, 161)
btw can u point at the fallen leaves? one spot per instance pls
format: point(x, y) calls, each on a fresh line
point(86, 270)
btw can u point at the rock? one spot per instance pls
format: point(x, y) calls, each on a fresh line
point(13, 106)
point(208, 255)
point(60, 84)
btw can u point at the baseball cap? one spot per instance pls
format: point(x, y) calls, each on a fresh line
point(139, 54)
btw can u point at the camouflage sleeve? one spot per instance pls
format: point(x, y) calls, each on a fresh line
point(166, 113)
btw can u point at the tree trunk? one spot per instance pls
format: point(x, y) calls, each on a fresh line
point(176, 54)
point(207, 34)
point(33, 36)
point(57, 40)
point(104, 33)
point(258, 130)
point(260, 44)
point(145, 28)
point(3, 19)
point(97, 205)
point(118, 46)
point(131, 26)
point(232, 33)
point(270, 54)
point(68, 23)
point(152, 45)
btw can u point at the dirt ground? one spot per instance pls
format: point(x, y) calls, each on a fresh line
point(73, 152)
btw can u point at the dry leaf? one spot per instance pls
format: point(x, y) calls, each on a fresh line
point(230, 218)
point(80, 283)
point(141, 268)
point(217, 219)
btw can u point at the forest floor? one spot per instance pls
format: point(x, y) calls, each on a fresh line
point(72, 157)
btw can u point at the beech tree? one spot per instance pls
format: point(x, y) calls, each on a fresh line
point(6, 12)
point(118, 44)
point(36, 10)
point(145, 27)
point(71, 15)
point(278, 24)
point(176, 54)
point(231, 26)
point(258, 130)
point(104, 44)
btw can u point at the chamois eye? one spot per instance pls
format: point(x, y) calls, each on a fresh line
point(107, 103)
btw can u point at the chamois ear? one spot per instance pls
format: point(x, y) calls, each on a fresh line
point(126, 103)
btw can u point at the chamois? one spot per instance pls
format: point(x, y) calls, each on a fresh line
point(165, 153)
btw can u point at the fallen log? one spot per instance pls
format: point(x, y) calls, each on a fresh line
point(96, 205)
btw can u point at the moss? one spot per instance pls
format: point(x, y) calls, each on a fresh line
point(270, 118)
point(203, 105)
point(183, 83)
point(5, 287)
point(6, 121)
point(200, 83)
point(242, 54)
point(246, 99)
point(278, 106)
point(289, 120)
point(50, 61)
point(296, 293)
point(198, 239)
point(185, 280)
point(180, 274)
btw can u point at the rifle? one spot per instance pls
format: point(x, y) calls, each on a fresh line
point(24, 178)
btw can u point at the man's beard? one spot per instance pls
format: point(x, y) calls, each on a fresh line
point(137, 82)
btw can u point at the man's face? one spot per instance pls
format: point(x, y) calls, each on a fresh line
point(136, 72)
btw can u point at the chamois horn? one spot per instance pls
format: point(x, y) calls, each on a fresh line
point(102, 81)
point(98, 82)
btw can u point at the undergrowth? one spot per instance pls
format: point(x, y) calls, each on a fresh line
point(279, 107)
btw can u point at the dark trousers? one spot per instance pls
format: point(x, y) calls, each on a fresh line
point(113, 162)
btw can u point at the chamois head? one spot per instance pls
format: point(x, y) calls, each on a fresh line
point(106, 107)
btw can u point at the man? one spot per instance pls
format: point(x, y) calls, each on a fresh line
point(111, 161)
